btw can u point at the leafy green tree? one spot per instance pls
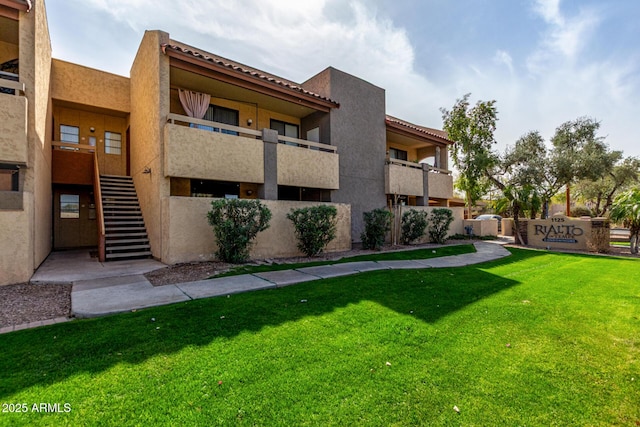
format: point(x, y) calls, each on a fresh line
point(626, 209)
point(236, 222)
point(579, 153)
point(315, 227)
point(414, 224)
point(471, 129)
point(602, 191)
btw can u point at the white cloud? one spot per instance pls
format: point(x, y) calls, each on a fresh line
point(554, 82)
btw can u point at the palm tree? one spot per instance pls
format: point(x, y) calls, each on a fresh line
point(626, 209)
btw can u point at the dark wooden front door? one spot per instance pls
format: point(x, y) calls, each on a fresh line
point(74, 221)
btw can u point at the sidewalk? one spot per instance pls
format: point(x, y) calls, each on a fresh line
point(103, 296)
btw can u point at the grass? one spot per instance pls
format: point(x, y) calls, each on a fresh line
point(533, 339)
point(621, 244)
point(425, 253)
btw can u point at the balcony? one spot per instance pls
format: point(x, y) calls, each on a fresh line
point(440, 183)
point(202, 149)
point(209, 150)
point(307, 164)
point(407, 178)
point(402, 177)
point(72, 163)
point(13, 120)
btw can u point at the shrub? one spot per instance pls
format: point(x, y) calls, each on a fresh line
point(414, 224)
point(578, 211)
point(439, 222)
point(236, 222)
point(376, 224)
point(315, 227)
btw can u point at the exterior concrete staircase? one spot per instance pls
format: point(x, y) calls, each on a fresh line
point(125, 233)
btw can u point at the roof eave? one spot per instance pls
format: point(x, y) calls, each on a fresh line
point(401, 129)
point(246, 79)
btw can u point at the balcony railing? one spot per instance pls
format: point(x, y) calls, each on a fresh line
point(70, 146)
point(407, 178)
point(240, 131)
point(9, 84)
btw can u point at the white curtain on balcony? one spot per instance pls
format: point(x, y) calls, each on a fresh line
point(195, 104)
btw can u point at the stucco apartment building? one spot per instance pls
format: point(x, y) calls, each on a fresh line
point(130, 165)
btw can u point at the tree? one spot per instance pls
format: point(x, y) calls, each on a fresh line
point(578, 153)
point(602, 191)
point(471, 129)
point(377, 223)
point(626, 209)
point(236, 222)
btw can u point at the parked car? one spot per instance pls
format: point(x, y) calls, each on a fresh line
point(485, 217)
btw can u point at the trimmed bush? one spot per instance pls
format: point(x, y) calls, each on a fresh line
point(439, 222)
point(236, 222)
point(414, 224)
point(376, 224)
point(579, 211)
point(315, 227)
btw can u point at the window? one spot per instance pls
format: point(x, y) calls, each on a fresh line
point(221, 115)
point(112, 143)
point(285, 129)
point(394, 153)
point(221, 189)
point(70, 135)
point(9, 175)
point(304, 194)
point(69, 206)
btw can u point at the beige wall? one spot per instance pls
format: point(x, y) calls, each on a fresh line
point(111, 164)
point(8, 51)
point(482, 227)
point(13, 128)
point(149, 109)
point(403, 180)
point(440, 185)
point(16, 250)
point(83, 85)
point(189, 237)
point(303, 167)
point(198, 153)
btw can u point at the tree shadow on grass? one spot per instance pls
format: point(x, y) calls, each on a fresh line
point(49, 355)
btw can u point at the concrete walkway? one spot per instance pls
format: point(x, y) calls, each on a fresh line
point(107, 295)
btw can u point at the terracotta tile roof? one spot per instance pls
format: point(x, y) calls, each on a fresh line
point(422, 129)
point(241, 68)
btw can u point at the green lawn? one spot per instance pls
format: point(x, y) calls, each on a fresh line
point(535, 339)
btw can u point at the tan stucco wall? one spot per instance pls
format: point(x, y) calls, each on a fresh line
point(302, 167)
point(8, 51)
point(111, 164)
point(440, 185)
point(403, 180)
point(149, 109)
point(83, 85)
point(456, 226)
point(13, 128)
point(198, 153)
point(482, 227)
point(189, 237)
point(16, 250)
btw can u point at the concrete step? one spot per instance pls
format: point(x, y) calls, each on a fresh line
point(120, 241)
point(123, 248)
point(139, 254)
point(125, 235)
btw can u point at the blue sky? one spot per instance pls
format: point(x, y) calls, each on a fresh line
point(543, 61)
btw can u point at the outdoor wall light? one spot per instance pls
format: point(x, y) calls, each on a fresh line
point(92, 129)
point(147, 169)
point(249, 192)
point(249, 122)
